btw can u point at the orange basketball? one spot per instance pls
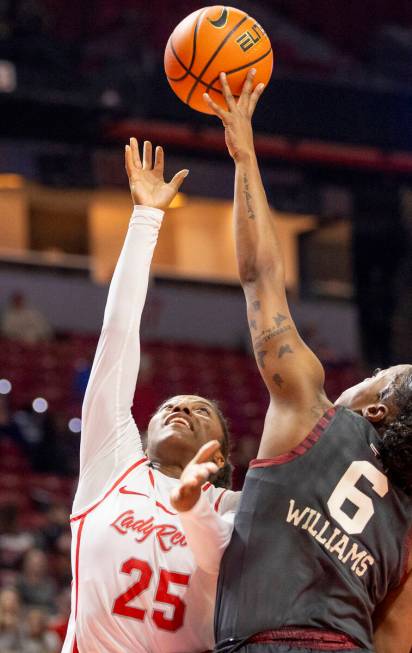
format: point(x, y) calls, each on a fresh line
point(214, 40)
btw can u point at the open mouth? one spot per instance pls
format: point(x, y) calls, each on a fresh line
point(179, 419)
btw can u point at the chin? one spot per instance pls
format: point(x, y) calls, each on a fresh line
point(177, 438)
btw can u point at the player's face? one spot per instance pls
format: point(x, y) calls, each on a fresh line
point(369, 391)
point(185, 422)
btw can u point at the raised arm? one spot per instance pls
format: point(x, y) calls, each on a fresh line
point(110, 440)
point(291, 371)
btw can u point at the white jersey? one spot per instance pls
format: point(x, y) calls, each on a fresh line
point(137, 586)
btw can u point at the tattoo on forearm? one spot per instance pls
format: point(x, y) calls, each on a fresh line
point(256, 305)
point(285, 349)
point(279, 319)
point(252, 324)
point(278, 380)
point(260, 356)
point(268, 334)
point(248, 198)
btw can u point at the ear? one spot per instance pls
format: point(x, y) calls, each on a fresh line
point(219, 459)
point(375, 412)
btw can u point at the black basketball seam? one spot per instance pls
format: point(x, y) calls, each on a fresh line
point(188, 71)
point(236, 70)
point(212, 88)
point(214, 55)
point(191, 74)
point(180, 79)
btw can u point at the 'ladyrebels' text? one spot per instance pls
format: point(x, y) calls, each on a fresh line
point(167, 535)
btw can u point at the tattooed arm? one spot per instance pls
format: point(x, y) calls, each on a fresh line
point(292, 373)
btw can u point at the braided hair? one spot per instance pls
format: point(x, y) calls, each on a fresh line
point(223, 478)
point(396, 435)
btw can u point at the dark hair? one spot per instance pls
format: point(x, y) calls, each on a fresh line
point(396, 446)
point(223, 478)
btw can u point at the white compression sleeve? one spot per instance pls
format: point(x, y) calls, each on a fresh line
point(208, 533)
point(110, 438)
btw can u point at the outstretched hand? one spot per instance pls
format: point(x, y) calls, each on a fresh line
point(195, 474)
point(237, 120)
point(146, 180)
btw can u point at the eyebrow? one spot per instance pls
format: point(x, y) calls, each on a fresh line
point(196, 401)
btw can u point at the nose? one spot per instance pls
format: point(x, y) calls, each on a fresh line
point(181, 408)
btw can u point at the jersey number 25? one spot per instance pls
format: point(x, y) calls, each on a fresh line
point(122, 603)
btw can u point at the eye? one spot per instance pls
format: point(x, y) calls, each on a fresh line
point(167, 407)
point(203, 410)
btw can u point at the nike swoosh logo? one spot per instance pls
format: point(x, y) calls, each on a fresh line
point(124, 490)
point(222, 20)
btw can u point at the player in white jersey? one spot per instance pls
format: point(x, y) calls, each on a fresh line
point(136, 584)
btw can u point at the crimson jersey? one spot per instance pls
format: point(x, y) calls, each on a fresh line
point(319, 538)
point(137, 586)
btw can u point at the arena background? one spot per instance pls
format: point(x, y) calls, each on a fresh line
point(334, 137)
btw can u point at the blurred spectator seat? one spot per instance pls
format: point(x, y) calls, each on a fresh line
point(23, 323)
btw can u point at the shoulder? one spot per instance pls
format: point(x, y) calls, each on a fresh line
point(222, 499)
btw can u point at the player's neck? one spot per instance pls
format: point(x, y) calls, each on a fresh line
point(174, 471)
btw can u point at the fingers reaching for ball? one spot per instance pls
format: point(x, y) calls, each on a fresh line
point(132, 157)
point(146, 176)
point(254, 98)
point(227, 92)
point(247, 101)
point(215, 108)
point(247, 89)
point(159, 159)
point(237, 119)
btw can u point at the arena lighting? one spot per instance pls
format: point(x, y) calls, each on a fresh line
point(75, 425)
point(178, 201)
point(40, 405)
point(8, 76)
point(5, 387)
point(9, 181)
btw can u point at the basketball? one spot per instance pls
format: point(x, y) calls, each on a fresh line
point(214, 40)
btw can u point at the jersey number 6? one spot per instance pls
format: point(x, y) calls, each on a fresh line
point(121, 605)
point(346, 491)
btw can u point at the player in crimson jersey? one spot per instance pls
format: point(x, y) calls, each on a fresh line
point(319, 558)
point(136, 584)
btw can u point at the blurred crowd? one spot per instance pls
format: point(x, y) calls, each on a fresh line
point(35, 581)
point(35, 573)
point(22, 322)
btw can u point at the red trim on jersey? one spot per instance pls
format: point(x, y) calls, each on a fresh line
point(302, 447)
point(75, 649)
point(151, 477)
point(206, 486)
point(313, 638)
point(162, 507)
point(114, 486)
point(218, 500)
point(79, 535)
